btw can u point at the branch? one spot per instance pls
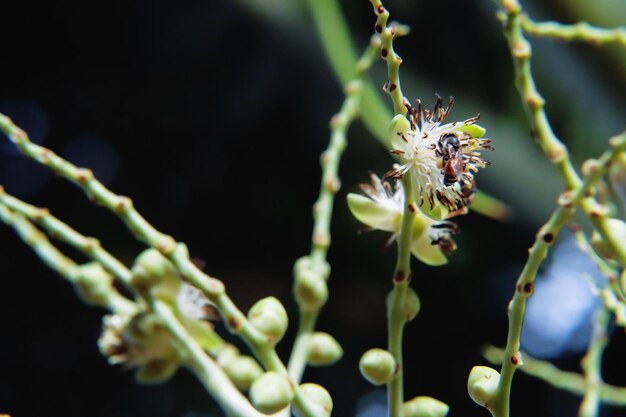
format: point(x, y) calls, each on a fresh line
point(582, 31)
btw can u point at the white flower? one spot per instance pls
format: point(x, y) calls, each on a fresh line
point(441, 158)
point(382, 209)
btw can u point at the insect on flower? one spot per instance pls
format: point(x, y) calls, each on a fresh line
point(441, 158)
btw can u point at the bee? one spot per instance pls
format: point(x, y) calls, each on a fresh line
point(449, 149)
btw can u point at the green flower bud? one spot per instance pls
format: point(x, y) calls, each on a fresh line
point(325, 350)
point(618, 228)
point(318, 398)
point(243, 371)
point(270, 318)
point(377, 366)
point(482, 384)
point(157, 371)
point(617, 176)
point(424, 407)
point(271, 392)
point(94, 284)
point(411, 304)
point(152, 269)
point(310, 290)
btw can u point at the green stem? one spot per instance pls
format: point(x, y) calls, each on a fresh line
point(333, 32)
point(176, 252)
point(323, 207)
point(52, 257)
point(525, 283)
point(395, 310)
point(387, 34)
point(568, 381)
point(579, 32)
point(591, 365)
point(206, 369)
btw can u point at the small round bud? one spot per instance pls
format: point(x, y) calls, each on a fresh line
point(94, 284)
point(318, 398)
point(377, 366)
point(618, 229)
point(271, 392)
point(424, 407)
point(157, 371)
point(243, 371)
point(482, 384)
point(411, 304)
point(270, 318)
point(325, 350)
point(310, 290)
point(151, 269)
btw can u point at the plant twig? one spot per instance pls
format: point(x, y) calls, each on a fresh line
point(396, 318)
point(387, 34)
point(591, 364)
point(579, 32)
point(53, 258)
point(323, 208)
point(567, 381)
point(525, 284)
point(176, 252)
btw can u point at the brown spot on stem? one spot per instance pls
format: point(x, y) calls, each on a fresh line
point(216, 285)
point(379, 28)
point(234, 323)
point(41, 213)
point(84, 175)
point(400, 276)
point(384, 53)
point(412, 208)
point(548, 237)
point(528, 287)
point(392, 87)
point(123, 204)
point(514, 360)
point(380, 9)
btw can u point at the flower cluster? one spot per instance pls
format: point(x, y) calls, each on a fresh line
point(441, 158)
point(382, 209)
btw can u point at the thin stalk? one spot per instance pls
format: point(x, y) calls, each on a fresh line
point(323, 208)
point(525, 283)
point(591, 365)
point(337, 43)
point(583, 32)
point(572, 382)
point(395, 310)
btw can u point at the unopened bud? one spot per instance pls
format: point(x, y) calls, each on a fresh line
point(317, 398)
point(377, 366)
point(271, 392)
point(243, 371)
point(482, 384)
point(157, 371)
point(618, 233)
point(325, 350)
point(94, 284)
point(310, 290)
point(151, 269)
point(411, 304)
point(424, 407)
point(270, 318)
point(617, 175)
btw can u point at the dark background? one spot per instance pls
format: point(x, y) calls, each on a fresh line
point(211, 115)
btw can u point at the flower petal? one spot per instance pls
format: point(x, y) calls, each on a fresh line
point(474, 130)
point(399, 126)
point(373, 214)
point(426, 252)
